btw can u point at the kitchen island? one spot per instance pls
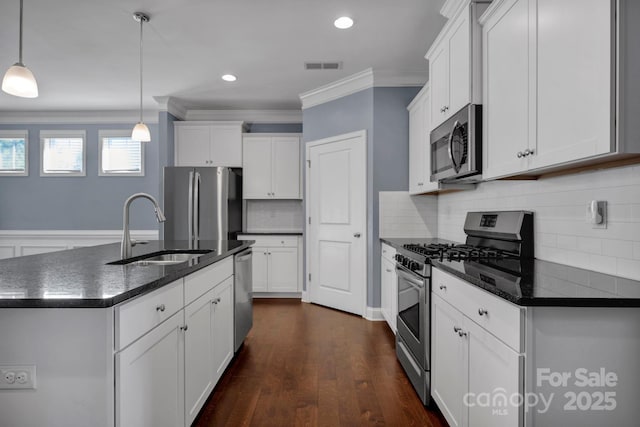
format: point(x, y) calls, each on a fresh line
point(114, 344)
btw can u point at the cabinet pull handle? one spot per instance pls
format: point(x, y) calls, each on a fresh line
point(161, 307)
point(482, 311)
point(457, 329)
point(184, 328)
point(443, 288)
point(420, 184)
point(461, 333)
point(216, 300)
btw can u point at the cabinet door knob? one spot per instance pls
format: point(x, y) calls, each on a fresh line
point(388, 271)
point(520, 155)
point(457, 329)
point(527, 152)
point(461, 333)
point(420, 183)
point(356, 235)
point(184, 328)
point(482, 311)
point(161, 307)
point(443, 288)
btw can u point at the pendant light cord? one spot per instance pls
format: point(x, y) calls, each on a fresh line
point(20, 45)
point(141, 22)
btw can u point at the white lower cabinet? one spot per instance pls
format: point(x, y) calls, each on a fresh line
point(165, 375)
point(388, 286)
point(276, 264)
point(198, 354)
point(150, 378)
point(222, 328)
point(475, 374)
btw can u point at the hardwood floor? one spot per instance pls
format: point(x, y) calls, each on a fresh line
point(306, 365)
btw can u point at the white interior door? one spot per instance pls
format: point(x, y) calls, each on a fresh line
point(336, 227)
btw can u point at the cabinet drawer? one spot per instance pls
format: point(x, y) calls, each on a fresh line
point(272, 241)
point(388, 252)
point(500, 317)
point(198, 283)
point(135, 318)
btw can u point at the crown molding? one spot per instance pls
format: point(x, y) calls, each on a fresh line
point(249, 116)
point(338, 89)
point(363, 80)
point(76, 117)
point(172, 106)
point(450, 7)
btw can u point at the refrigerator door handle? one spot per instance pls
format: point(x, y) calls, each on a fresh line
point(190, 210)
point(196, 209)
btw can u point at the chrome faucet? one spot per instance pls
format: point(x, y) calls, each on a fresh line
point(127, 243)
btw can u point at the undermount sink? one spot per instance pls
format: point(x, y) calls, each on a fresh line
point(168, 257)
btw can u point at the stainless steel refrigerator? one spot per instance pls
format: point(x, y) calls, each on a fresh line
point(202, 203)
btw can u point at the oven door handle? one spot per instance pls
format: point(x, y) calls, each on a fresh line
point(418, 284)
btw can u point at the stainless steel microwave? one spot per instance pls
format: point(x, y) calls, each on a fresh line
point(456, 146)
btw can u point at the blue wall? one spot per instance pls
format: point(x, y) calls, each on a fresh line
point(91, 202)
point(382, 112)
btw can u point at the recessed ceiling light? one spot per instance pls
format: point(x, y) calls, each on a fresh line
point(343, 22)
point(229, 78)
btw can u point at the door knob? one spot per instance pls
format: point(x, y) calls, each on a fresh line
point(356, 234)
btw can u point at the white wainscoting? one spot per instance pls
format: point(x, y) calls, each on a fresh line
point(15, 243)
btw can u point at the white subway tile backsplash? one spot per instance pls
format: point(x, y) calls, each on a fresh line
point(274, 216)
point(590, 244)
point(559, 205)
point(402, 215)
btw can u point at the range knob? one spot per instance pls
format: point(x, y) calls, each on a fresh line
point(413, 266)
point(399, 258)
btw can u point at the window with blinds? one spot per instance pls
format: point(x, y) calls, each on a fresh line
point(120, 155)
point(63, 153)
point(14, 156)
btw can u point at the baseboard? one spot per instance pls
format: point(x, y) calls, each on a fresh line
point(15, 243)
point(277, 295)
point(373, 314)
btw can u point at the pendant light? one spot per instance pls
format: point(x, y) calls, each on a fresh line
point(141, 131)
point(19, 80)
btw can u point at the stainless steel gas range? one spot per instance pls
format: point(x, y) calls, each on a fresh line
point(497, 245)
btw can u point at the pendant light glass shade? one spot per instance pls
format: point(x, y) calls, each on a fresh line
point(19, 81)
point(141, 133)
point(140, 130)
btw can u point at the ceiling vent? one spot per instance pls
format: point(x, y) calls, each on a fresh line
point(337, 65)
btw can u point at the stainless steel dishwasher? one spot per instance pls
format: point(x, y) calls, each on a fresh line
point(243, 299)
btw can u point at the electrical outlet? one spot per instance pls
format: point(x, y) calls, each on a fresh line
point(17, 377)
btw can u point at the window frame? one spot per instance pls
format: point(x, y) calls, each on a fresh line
point(111, 133)
point(17, 134)
point(45, 134)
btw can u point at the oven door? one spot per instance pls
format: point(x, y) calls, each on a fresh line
point(412, 311)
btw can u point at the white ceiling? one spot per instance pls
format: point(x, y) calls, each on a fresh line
point(84, 53)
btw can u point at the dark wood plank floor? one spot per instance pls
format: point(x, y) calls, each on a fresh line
point(306, 365)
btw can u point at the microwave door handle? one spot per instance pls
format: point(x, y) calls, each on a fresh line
point(456, 167)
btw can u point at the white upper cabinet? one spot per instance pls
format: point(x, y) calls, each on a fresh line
point(208, 144)
point(271, 167)
point(550, 97)
point(419, 146)
point(454, 64)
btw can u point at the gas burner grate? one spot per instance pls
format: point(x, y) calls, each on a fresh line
point(453, 252)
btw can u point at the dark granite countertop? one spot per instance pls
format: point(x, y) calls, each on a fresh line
point(82, 278)
point(397, 242)
point(271, 233)
point(541, 283)
point(547, 284)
